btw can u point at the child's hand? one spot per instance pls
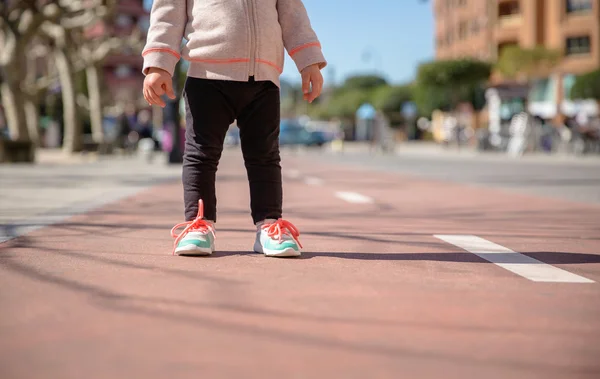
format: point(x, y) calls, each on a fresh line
point(312, 79)
point(158, 82)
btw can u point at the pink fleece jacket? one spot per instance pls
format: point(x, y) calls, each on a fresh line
point(231, 39)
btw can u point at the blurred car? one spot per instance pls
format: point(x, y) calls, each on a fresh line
point(293, 133)
point(318, 138)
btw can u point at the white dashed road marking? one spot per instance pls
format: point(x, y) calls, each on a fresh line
point(512, 261)
point(292, 174)
point(313, 181)
point(353, 197)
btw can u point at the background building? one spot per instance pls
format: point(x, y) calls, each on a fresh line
point(482, 29)
point(123, 71)
point(463, 29)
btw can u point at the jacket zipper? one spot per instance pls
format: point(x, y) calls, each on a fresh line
point(252, 67)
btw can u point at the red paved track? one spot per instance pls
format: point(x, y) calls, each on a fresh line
point(374, 296)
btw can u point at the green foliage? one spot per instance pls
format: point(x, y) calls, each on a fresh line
point(430, 98)
point(444, 84)
point(587, 86)
point(450, 73)
point(364, 82)
point(390, 98)
point(345, 100)
point(515, 61)
point(512, 61)
point(345, 103)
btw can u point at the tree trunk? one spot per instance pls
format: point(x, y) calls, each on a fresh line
point(73, 139)
point(95, 99)
point(32, 117)
point(13, 100)
point(31, 102)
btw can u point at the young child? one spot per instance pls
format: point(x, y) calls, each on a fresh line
point(236, 55)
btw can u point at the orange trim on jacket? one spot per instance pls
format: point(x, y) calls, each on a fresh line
point(161, 50)
point(302, 47)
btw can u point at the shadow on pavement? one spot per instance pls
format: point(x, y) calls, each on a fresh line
point(545, 257)
point(166, 309)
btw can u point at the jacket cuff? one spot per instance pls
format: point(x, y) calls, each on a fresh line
point(308, 55)
point(165, 59)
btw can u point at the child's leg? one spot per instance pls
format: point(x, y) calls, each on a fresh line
point(259, 137)
point(208, 116)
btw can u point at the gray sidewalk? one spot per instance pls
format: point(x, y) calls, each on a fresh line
point(57, 187)
point(423, 149)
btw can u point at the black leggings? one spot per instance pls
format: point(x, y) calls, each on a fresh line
point(211, 107)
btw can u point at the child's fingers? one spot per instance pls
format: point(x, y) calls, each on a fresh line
point(317, 87)
point(169, 90)
point(158, 88)
point(146, 96)
point(305, 84)
point(155, 98)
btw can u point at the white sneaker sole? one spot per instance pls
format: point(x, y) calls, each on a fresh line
point(193, 250)
point(286, 253)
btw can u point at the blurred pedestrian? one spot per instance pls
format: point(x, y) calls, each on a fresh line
point(147, 142)
point(449, 128)
point(235, 53)
point(125, 134)
point(520, 130)
point(381, 139)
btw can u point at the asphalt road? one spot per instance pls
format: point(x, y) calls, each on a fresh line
point(570, 179)
point(413, 267)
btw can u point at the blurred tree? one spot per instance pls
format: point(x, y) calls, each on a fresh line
point(345, 103)
point(92, 52)
point(59, 25)
point(73, 51)
point(444, 84)
point(391, 98)
point(587, 86)
point(346, 99)
point(430, 98)
point(363, 82)
point(526, 64)
point(20, 22)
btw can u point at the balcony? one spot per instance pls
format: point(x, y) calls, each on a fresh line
point(510, 21)
point(508, 31)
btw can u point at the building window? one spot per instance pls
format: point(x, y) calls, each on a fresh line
point(579, 5)
point(449, 39)
point(509, 8)
point(475, 27)
point(578, 45)
point(462, 30)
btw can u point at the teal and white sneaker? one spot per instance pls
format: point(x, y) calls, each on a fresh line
point(277, 238)
point(198, 237)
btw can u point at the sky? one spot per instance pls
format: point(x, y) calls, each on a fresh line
point(397, 35)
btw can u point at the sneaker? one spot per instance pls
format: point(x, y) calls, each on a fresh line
point(198, 237)
point(277, 238)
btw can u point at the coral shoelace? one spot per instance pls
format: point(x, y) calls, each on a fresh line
point(197, 225)
point(277, 229)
